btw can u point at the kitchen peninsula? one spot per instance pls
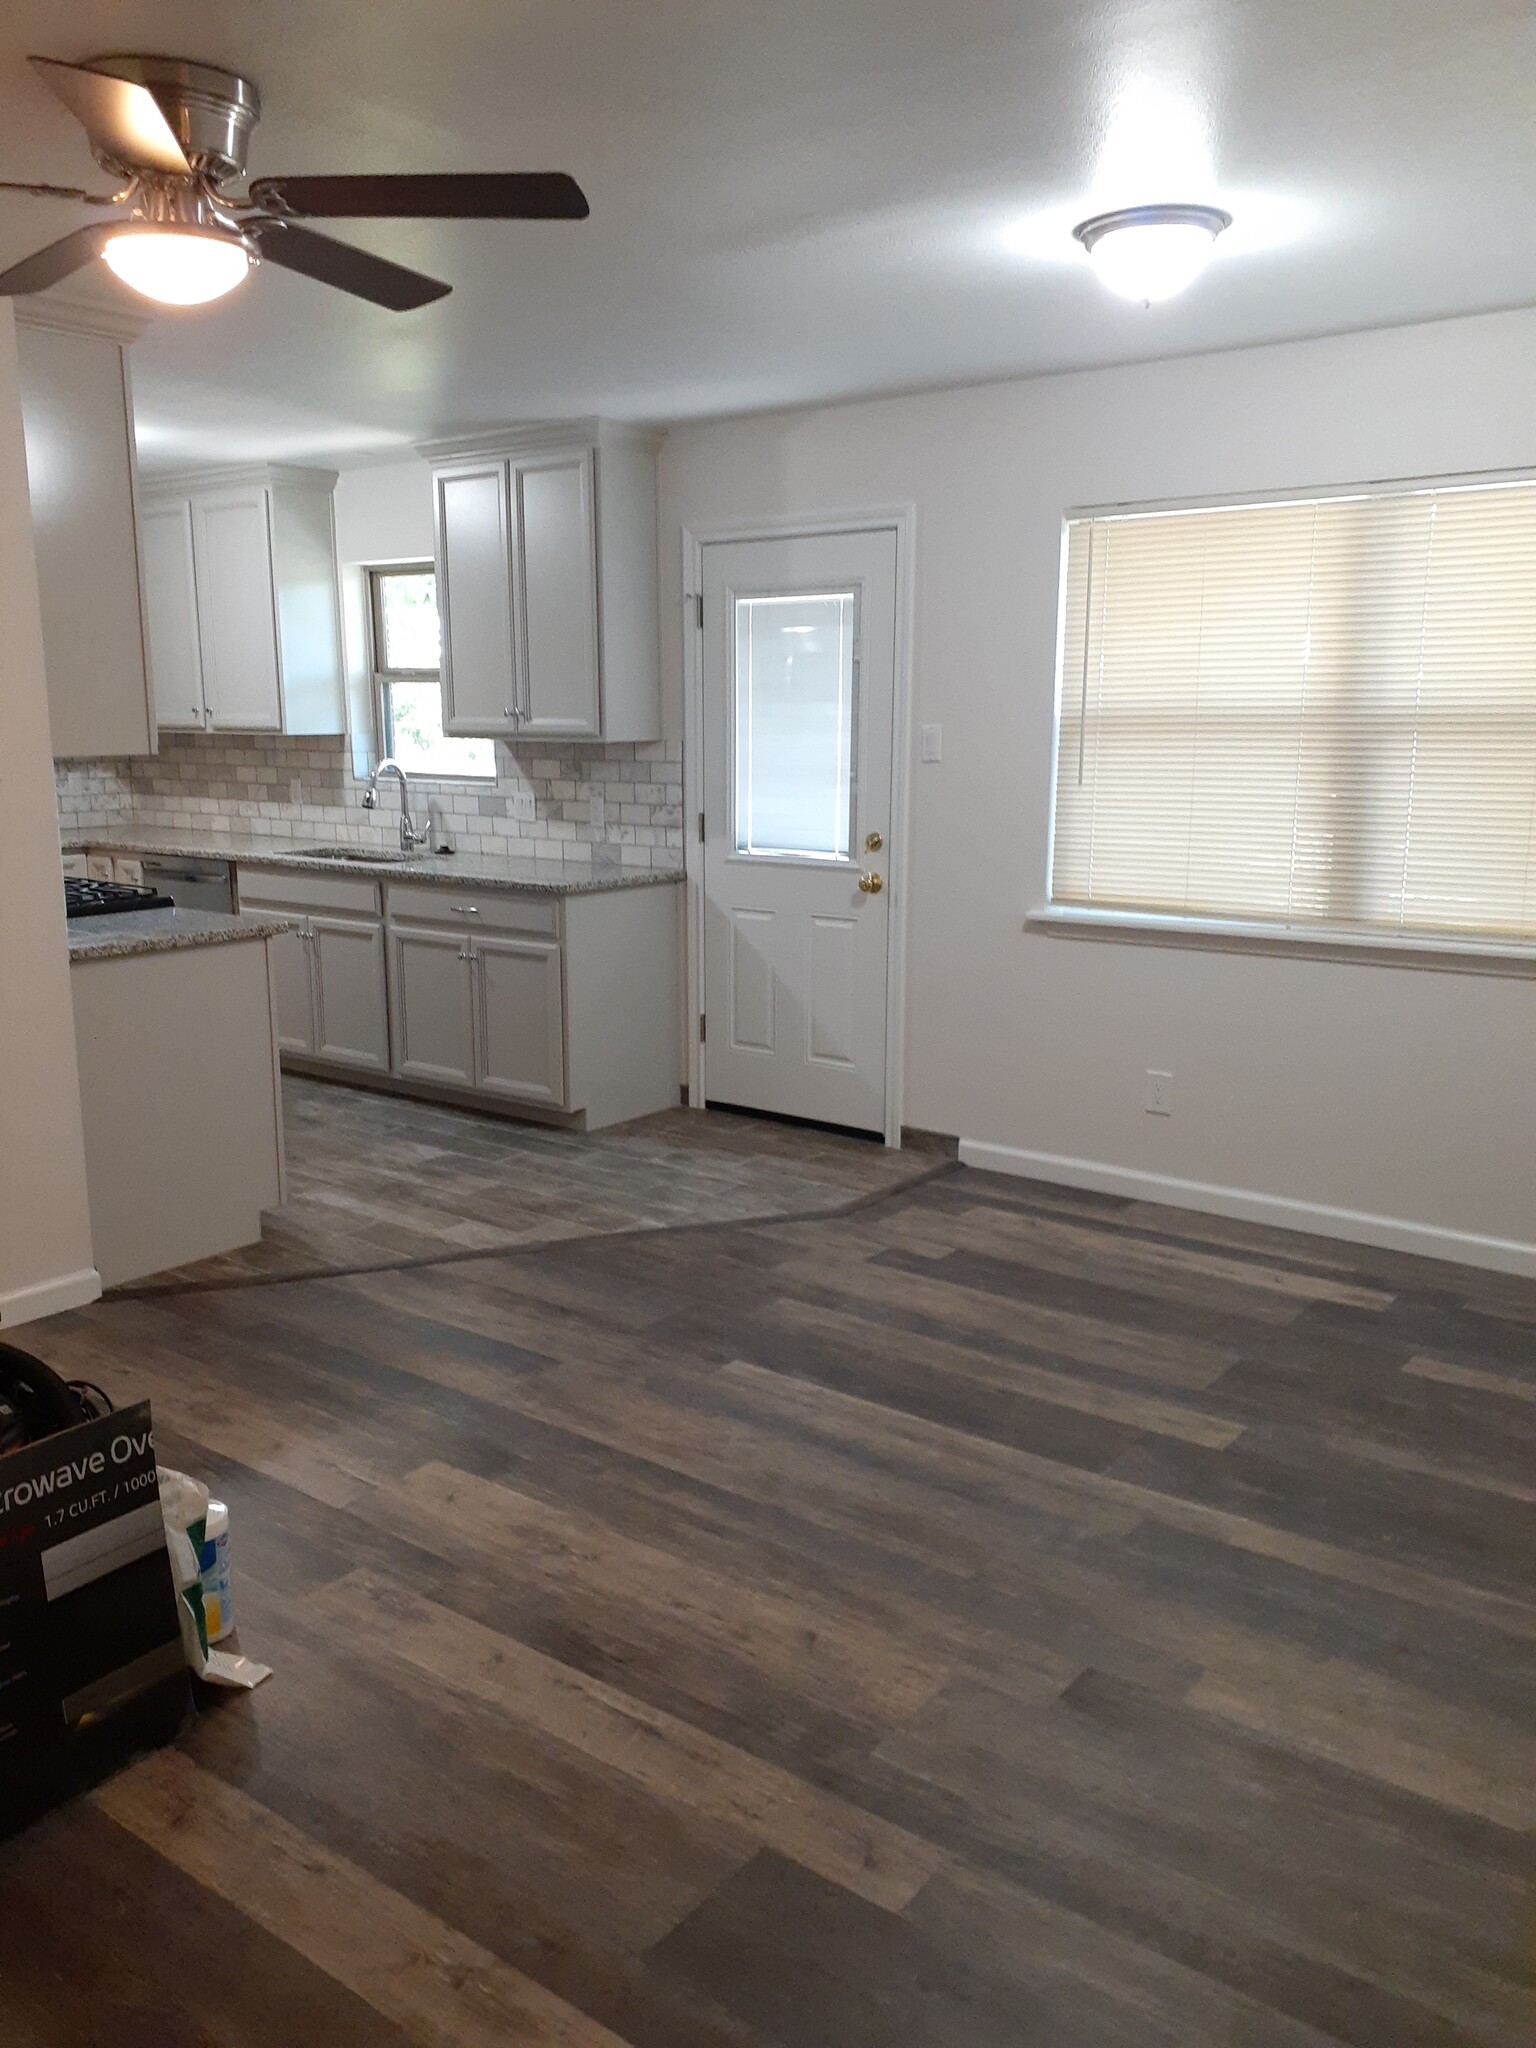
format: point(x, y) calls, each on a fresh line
point(176, 1043)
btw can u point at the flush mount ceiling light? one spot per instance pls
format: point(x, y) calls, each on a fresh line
point(1151, 252)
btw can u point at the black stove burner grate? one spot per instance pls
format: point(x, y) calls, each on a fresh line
point(84, 897)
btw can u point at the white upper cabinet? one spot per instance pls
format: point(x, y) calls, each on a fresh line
point(170, 605)
point(236, 610)
point(474, 598)
point(242, 602)
point(546, 566)
point(556, 584)
point(78, 420)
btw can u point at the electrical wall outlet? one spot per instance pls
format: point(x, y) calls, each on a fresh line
point(597, 810)
point(1159, 1093)
point(522, 806)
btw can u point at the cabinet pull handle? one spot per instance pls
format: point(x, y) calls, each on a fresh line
point(466, 909)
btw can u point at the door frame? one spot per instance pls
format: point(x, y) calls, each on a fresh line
point(791, 526)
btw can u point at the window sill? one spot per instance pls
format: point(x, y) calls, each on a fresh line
point(1448, 954)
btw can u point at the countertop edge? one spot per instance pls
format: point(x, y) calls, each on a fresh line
point(471, 874)
point(165, 931)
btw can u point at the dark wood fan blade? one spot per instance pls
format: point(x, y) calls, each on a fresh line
point(121, 119)
point(351, 270)
point(59, 260)
point(437, 195)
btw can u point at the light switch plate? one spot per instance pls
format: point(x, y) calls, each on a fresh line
point(522, 806)
point(597, 810)
point(931, 740)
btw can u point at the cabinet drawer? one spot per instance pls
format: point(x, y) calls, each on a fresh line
point(295, 889)
point(443, 904)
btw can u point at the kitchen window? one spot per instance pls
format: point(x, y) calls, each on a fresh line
point(407, 673)
point(1306, 717)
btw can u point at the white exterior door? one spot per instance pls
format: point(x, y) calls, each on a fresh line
point(798, 697)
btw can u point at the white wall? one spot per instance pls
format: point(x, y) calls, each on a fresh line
point(383, 514)
point(45, 1230)
point(1390, 1103)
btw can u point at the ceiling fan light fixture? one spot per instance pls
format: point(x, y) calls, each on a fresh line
point(185, 266)
point(1151, 252)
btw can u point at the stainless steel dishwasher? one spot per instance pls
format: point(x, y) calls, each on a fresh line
point(190, 884)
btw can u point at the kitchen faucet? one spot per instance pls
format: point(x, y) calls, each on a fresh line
point(411, 835)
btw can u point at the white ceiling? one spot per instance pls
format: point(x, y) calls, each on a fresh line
point(801, 199)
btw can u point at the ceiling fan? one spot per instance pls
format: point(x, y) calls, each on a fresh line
point(176, 132)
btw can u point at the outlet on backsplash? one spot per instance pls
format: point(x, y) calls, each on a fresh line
point(623, 801)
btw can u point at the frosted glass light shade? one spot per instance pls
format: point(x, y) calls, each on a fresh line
point(1152, 252)
point(178, 266)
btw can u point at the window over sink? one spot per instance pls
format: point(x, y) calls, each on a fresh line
point(407, 656)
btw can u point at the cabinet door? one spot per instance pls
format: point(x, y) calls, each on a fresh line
point(236, 609)
point(293, 976)
point(474, 594)
point(170, 609)
point(430, 989)
point(74, 405)
point(352, 1011)
point(557, 593)
point(519, 1020)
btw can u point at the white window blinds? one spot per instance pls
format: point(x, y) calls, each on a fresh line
point(1318, 713)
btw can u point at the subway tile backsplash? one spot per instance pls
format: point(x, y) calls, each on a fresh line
point(299, 789)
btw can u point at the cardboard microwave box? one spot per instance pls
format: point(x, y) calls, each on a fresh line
point(91, 1663)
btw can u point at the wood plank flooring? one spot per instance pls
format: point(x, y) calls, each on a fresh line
point(998, 1617)
point(376, 1181)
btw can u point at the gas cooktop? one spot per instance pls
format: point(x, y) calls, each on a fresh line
point(85, 898)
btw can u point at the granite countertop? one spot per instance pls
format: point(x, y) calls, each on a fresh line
point(126, 932)
point(478, 870)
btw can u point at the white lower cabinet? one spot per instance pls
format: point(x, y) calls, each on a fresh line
point(434, 1037)
point(519, 1015)
point(293, 977)
point(332, 996)
point(567, 1005)
point(478, 1001)
point(351, 1003)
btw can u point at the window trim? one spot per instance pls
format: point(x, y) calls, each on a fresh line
point(383, 677)
point(1450, 951)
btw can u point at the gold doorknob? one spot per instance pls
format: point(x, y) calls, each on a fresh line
point(871, 884)
point(873, 842)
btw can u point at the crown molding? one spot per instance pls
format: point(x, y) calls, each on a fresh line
point(83, 306)
point(169, 482)
point(536, 437)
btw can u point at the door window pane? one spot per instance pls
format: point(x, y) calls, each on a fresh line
point(795, 724)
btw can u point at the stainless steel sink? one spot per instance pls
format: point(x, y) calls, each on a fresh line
point(370, 856)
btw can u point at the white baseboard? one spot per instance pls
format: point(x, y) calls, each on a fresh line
point(49, 1297)
point(1356, 1226)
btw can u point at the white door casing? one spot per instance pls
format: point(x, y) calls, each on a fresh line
point(798, 752)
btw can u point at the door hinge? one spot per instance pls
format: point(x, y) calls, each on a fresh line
point(701, 1027)
point(698, 610)
point(701, 828)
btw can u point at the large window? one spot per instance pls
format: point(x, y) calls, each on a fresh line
point(406, 658)
point(1317, 713)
